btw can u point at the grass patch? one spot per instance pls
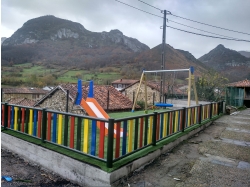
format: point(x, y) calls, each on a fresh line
point(135, 113)
point(73, 75)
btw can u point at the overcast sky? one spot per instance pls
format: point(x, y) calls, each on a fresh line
point(105, 15)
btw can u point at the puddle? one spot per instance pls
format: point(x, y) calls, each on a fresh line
point(244, 165)
point(237, 130)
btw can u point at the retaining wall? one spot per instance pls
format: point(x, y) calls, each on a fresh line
point(79, 172)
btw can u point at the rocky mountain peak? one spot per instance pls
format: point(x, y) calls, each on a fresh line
point(116, 31)
point(56, 29)
point(226, 60)
point(220, 46)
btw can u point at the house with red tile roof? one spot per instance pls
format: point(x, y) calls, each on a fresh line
point(34, 94)
point(107, 96)
point(123, 83)
point(238, 93)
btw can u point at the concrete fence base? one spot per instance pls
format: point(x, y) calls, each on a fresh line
point(79, 172)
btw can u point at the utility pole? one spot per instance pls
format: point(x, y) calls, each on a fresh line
point(163, 66)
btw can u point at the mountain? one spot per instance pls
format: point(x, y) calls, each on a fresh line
point(229, 62)
point(2, 39)
point(51, 41)
point(245, 53)
point(54, 40)
point(175, 59)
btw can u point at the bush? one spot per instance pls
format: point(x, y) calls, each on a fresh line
point(141, 104)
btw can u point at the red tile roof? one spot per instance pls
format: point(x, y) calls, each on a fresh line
point(117, 101)
point(24, 91)
point(244, 83)
point(22, 102)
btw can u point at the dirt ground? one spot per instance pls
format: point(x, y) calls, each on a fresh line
point(25, 173)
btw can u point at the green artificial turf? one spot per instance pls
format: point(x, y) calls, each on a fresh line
point(118, 115)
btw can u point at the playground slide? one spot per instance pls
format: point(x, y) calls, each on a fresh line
point(93, 109)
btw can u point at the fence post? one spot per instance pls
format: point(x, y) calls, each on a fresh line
point(211, 110)
point(183, 119)
point(110, 143)
point(218, 108)
point(66, 126)
point(5, 115)
point(44, 124)
point(154, 129)
point(221, 107)
point(200, 114)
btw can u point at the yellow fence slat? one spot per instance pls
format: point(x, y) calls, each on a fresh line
point(86, 136)
point(176, 121)
point(15, 117)
point(165, 125)
point(31, 122)
point(195, 115)
point(59, 140)
point(130, 134)
point(150, 129)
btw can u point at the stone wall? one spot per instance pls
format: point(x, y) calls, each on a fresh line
point(9, 96)
point(57, 102)
point(141, 96)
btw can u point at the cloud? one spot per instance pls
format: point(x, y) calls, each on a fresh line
point(105, 15)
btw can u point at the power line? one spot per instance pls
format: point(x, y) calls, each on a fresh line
point(210, 25)
point(138, 9)
point(150, 5)
point(208, 35)
point(197, 21)
point(200, 29)
point(227, 37)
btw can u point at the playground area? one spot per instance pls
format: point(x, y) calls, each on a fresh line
point(107, 141)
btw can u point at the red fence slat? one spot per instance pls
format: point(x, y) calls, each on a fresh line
point(117, 143)
point(101, 139)
point(49, 127)
point(72, 132)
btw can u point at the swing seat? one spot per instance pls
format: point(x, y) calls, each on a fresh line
point(164, 104)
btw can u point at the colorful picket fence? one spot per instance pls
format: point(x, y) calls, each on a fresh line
point(81, 133)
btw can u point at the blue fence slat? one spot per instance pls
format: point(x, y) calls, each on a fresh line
point(35, 123)
point(124, 137)
point(54, 128)
point(12, 118)
point(93, 138)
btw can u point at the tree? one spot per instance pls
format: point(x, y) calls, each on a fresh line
point(48, 80)
point(211, 86)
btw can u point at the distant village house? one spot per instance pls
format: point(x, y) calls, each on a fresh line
point(123, 83)
point(33, 94)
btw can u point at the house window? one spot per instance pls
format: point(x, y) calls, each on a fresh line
point(119, 85)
